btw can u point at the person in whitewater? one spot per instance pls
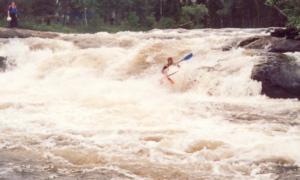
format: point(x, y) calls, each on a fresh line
point(12, 15)
point(165, 69)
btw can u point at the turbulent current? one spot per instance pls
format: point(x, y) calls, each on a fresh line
point(95, 106)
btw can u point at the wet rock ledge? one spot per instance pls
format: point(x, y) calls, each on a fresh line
point(6, 33)
point(279, 73)
point(3, 64)
point(22, 33)
point(271, 44)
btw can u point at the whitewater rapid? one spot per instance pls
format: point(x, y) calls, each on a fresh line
point(95, 106)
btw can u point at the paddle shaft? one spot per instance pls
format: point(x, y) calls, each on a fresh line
point(188, 57)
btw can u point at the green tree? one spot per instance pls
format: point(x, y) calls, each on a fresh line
point(133, 19)
point(288, 8)
point(226, 12)
point(195, 13)
point(43, 7)
point(166, 22)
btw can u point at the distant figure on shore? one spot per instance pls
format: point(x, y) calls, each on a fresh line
point(112, 18)
point(12, 16)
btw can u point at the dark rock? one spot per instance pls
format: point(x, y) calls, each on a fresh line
point(287, 172)
point(233, 43)
point(297, 38)
point(22, 33)
point(226, 48)
point(248, 41)
point(289, 33)
point(284, 45)
point(3, 64)
point(254, 42)
point(278, 33)
point(271, 44)
point(280, 76)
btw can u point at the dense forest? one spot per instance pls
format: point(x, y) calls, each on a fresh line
point(148, 14)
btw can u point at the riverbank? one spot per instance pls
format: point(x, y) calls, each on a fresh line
point(92, 27)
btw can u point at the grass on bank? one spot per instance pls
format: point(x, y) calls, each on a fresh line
point(92, 27)
point(97, 25)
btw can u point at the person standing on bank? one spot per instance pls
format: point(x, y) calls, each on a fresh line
point(12, 16)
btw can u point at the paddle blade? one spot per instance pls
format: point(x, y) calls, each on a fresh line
point(187, 57)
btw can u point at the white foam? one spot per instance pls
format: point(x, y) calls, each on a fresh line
point(107, 99)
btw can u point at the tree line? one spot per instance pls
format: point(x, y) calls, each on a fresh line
point(148, 14)
point(289, 9)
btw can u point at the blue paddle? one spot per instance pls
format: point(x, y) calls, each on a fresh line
point(186, 58)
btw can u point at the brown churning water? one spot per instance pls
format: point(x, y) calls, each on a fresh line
point(92, 106)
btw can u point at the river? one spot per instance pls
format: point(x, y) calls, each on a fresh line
point(94, 106)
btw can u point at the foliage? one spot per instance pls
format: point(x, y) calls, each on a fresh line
point(195, 13)
point(227, 8)
point(113, 15)
point(43, 7)
point(133, 19)
point(290, 8)
point(166, 23)
point(150, 22)
point(294, 21)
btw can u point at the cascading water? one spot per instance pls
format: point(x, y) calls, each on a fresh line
point(94, 106)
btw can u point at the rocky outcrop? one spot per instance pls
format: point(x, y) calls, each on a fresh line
point(280, 76)
point(3, 64)
point(271, 44)
point(22, 33)
point(19, 33)
point(289, 33)
point(278, 73)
